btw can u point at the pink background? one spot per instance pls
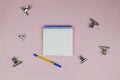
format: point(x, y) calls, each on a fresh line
point(86, 40)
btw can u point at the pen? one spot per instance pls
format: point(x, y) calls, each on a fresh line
point(47, 60)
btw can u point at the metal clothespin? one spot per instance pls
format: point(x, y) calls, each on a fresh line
point(22, 36)
point(93, 23)
point(104, 49)
point(16, 61)
point(26, 9)
point(83, 59)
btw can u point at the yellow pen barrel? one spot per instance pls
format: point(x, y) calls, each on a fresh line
point(47, 60)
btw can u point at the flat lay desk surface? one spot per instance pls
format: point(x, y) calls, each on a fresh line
point(13, 21)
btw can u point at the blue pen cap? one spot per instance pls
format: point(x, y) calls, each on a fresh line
point(57, 65)
point(35, 55)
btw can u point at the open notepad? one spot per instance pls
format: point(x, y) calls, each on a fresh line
point(58, 40)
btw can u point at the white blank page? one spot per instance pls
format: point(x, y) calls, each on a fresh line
point(58, 40)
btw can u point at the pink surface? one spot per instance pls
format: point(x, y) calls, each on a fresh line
point(86, 41)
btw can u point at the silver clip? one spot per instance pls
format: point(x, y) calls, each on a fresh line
point(104, 49)
point(93, 23)
point(83, 59)
point(26, 9)
point(16, 61)
point(22, 36)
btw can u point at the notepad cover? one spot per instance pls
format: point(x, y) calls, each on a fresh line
point(58, 40)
